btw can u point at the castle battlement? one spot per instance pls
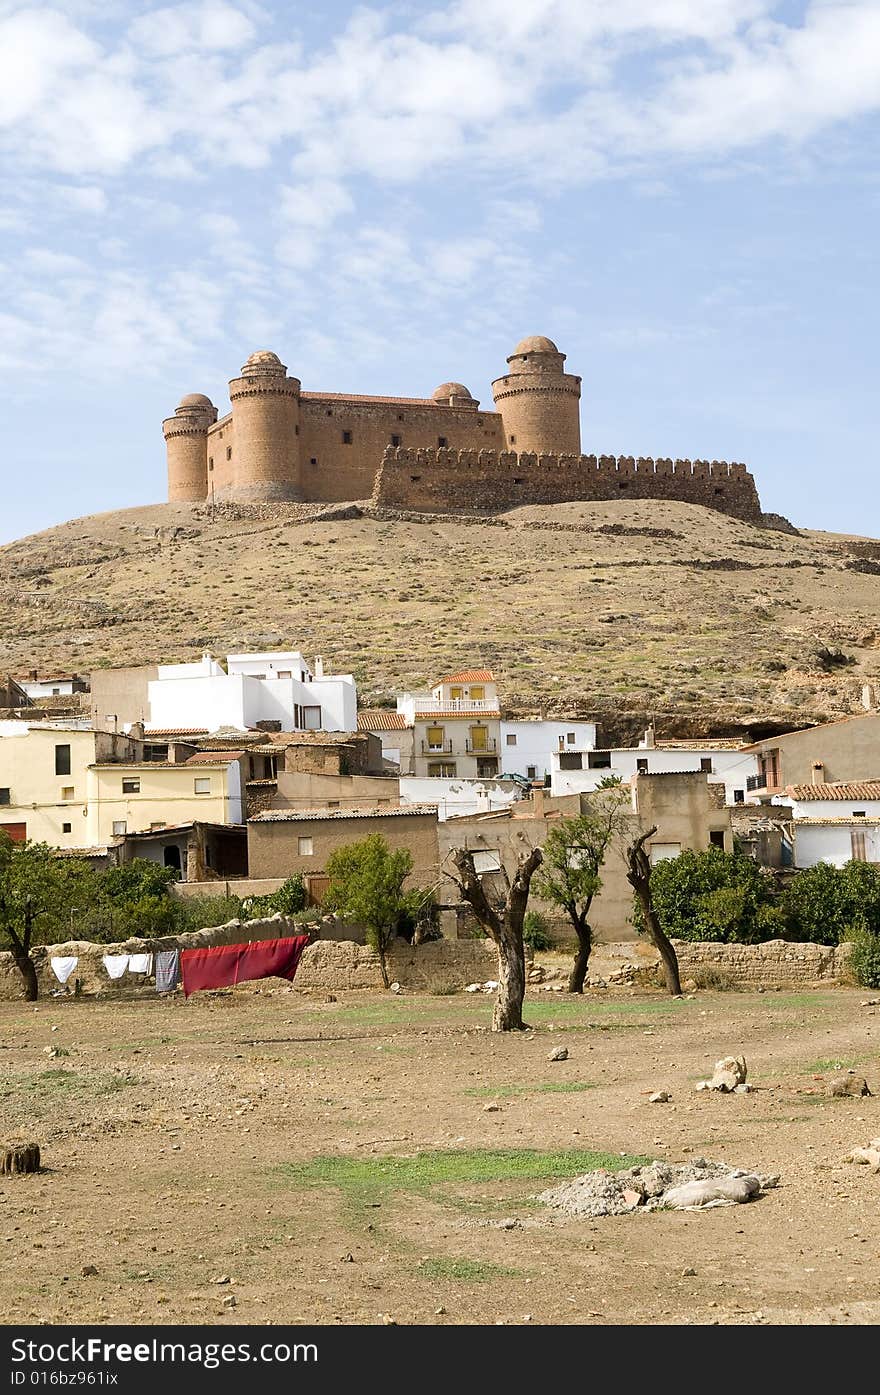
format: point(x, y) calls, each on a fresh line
point(442, 453)
point(486, 480)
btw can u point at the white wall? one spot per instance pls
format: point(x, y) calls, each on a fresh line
point(730, 768)
point(832, 843)
point(288, 661)
point(536, 742)
point(239, 701)
point(63, 686)
point(456, 797)
point(830, 808)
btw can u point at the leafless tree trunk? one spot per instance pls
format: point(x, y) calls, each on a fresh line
point(639, 878)
point(578, 976)
point(505, 927)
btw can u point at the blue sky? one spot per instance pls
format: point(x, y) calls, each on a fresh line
point(684, 194)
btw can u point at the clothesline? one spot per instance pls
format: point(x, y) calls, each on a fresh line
point(220, 966)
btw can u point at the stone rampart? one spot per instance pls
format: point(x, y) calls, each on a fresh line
point(488, 481)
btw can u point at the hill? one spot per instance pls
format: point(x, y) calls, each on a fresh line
point(606, 608)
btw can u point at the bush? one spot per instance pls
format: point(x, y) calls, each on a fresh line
point(536, 931)
point(288, 899)
point(711, 895)
point(865, 956)
point(825, 904)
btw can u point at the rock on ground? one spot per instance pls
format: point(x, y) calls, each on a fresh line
point(678, 1185)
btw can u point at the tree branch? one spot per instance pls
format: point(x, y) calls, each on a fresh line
point(472, 890)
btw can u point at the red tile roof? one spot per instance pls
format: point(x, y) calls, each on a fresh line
point(858, 789)
point(470, 675)
point(381, 719)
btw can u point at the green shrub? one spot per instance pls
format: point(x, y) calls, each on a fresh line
point(824, 904)
point(289, 898)
point(536, 931)
point(711, 895)
point(865, 956)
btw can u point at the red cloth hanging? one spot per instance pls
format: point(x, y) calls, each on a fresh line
point(224, 965)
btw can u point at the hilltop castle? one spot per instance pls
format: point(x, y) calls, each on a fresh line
point(439, 453)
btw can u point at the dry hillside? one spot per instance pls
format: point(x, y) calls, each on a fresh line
point(608, 607)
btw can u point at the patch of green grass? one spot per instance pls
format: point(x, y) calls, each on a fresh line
point(548, 1087)
point(542, 1009)
point(444, 1167)
point(831, 1063)
point(470, 1271)
point(52, 1086)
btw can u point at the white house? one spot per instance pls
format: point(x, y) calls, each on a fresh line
point(57, 685)
point(726, 762)
point(253, 688)
point(834, 823)
point(455, 798)
point(527, 747)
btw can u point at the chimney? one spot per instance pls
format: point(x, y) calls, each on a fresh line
point(318, 666)
point(867, 697)
point(648, 741)
point(136, 731)
point(817, 776)
point(538, 801)
point(32, 676)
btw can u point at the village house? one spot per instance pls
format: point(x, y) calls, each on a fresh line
point(12, 695)
point(38, 686)
point(124, 797)
point(832, 752)
point(45, 780)
point(456, 727)
point(834, 823)
point(280, 688)
point(395, 734)
point(730, 763)
point(282, 842)
point(199, 851)
point(528, 746)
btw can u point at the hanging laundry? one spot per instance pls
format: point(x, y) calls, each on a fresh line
point(225, 965)
point(140, 963)
point(116, 964)
point(167, 970)
point(63, 966)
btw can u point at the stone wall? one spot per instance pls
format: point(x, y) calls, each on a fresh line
point(474, 480)
point(774, 964)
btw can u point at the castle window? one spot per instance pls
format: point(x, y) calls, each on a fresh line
point(718, 489)
point(296, 431)
point(414, 479)
point(220, 435)
point(621, 484)
point(329, 411)
point(346, 438)
point(313, 460)
point(229, 452)
point(479, 421)
point(517, 481)
point(513, 440)
point(400, 416)
point(441, 440)
point(395, 440)
point(210, 462)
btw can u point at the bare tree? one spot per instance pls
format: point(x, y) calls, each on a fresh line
point(504, 926)
point(639, 878)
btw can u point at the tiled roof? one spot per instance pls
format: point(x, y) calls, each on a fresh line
point(470, 675)
point(859, 789)
point(481, 715)
point(381, 719)
point(296, 815)
point(838, 823)
point(212, 757)
point(158, 732)
point(80, 852)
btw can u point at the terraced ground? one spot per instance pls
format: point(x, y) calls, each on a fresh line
point(365, 1158)
point(615, 608)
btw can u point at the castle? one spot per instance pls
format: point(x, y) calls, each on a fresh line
point(440, 453)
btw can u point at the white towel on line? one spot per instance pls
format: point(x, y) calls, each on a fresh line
point(116, 964)
point(63, 966)
point(140, 963)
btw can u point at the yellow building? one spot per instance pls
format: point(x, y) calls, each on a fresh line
point(142, 797)
point(44, 779)
point(456, 727)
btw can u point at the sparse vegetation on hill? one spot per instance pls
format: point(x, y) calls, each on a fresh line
point(610, 607)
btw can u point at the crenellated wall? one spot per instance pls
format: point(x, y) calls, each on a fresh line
point(470, 481)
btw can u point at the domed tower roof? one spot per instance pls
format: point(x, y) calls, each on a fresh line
point(263, 361)
point(536, 344)
point(194, 401)
point(445, 391)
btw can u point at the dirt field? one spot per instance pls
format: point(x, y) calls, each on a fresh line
point(336, 1162)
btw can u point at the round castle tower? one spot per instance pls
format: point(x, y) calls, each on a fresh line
point(539, 402)
point(186, 443)
point(265, 415)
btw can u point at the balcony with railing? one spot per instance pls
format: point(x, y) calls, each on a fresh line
point(427, 707)
point(436, 748)
point(485, 747)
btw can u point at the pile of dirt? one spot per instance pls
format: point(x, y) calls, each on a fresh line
point(656, 1185)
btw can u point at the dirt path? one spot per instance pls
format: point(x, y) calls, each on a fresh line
point(181, 1143)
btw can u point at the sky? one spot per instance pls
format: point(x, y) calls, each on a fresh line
point(683, 194)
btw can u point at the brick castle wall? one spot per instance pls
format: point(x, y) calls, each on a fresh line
point(471, 481)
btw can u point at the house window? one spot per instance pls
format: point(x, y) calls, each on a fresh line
point(120, 827)
point(486, 860)
point(333, 803)
point(599, 760)
point(442, 770)
point(56, 692)
point(531, 772)
point(312, 718)
point(739, 796)
point(479, 738)
point(131, 786)
point(487, 767)
point(66, 827)
point(571, 760)
point(435, 736)
point(285, 673)
point(642, 765)
point(305, 847)
point(202, 784)
point(858, 813)
point(716, 838)
point(510, 739)
point(441, 440)
point(346, 438)
point(62, 760)
point(67, 791)
point(769, 763)
point(155, 753)
point(5, 796)
point(857, 844)
point(662, 852)
point(706, 765)
point(395, 440)
point(570, 738)
point(455, 694)
point(477, 694)
point(155, 826)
